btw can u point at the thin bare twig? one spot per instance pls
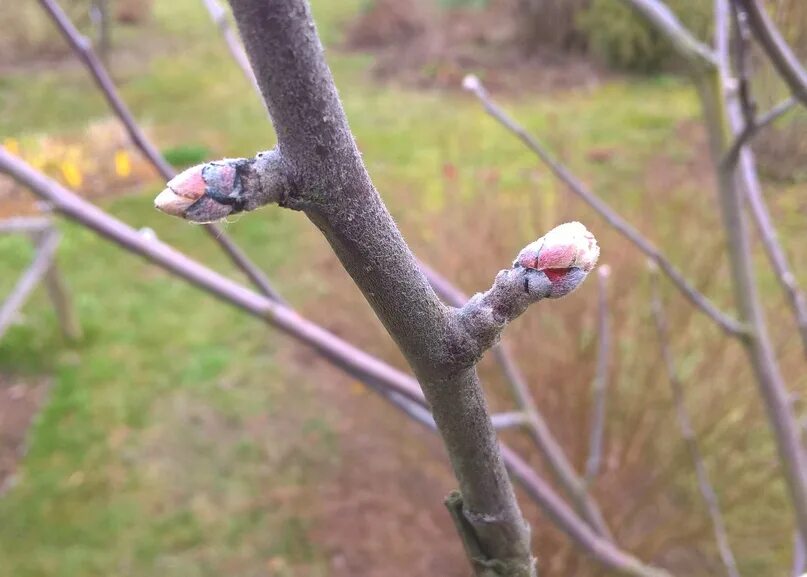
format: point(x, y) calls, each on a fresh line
point(219, 16)
point(684, 41)
point(750, 130)
point(600, 388)
point(36, 227)
point(355, 362)
point(742, 117)
point(776, 47)
point(83, 49)
point(24, 224)
point(799, 556)
point(45, 252)
point(721, 111)
point(509, 420)
point(725, 322)
point(688, 432)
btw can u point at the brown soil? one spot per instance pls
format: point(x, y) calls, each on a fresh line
point(419, 45)
point(20, 400)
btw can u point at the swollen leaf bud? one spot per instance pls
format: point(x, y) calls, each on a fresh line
point(205, 192)
point(181, 192)
point(564, 255)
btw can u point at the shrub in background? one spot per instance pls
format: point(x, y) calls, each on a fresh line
point(551, 23)
point(624, 41)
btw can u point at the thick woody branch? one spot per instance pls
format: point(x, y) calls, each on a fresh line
point(375, 373)
point(216, 190)
point(776, 47)
point(530, 417)
point(725, 322)
point(83, 49)
point(328, 181)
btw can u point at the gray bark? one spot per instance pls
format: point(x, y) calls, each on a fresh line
point(330, 184)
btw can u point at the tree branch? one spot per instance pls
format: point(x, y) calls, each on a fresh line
point(551, 267)
point(744, 124)
point(539, 432)
point(219, 17)
point(688, 432)
point(781, 55)
point(752, 129)
point(757, 343)
point(663, 19)
point(83, 49)
point(728, 324)
point(45, 252)
point(368, 369)
point(594, 461)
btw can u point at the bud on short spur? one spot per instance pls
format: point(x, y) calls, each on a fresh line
point(203, 193)
point(564, 255)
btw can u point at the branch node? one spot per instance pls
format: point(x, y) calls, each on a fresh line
point(465, 522)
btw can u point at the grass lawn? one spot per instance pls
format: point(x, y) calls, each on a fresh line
point(172, 435)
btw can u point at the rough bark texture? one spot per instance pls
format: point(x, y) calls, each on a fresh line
point(330, 184)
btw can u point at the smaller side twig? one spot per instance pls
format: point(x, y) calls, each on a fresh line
point(753, 127)
point(799, 556)
point(509, 420)
point(688, 432)
point(730, 325)
point(776, 47)
point(24, 225)
point(533, 420)
point(45, 252)
point(686, 44)
point(219, 16)
point(600, 388)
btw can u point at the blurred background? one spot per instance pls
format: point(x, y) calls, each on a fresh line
point(180, 437)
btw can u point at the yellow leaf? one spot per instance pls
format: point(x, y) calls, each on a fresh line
point(123, 166)
point(72, 174)
point(12, 146)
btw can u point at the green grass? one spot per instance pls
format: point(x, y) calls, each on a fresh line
point(141, 463)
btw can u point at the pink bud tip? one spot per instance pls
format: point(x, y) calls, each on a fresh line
point(569, 245)
point(182, 191)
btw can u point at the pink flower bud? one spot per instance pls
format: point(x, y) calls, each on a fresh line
point(569, 245)
point(182, 191)
point(564, 255)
